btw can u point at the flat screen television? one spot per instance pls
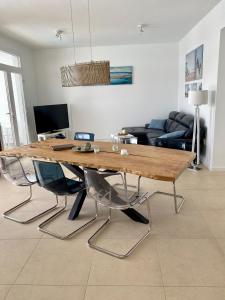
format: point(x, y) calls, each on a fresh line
point(51, 117)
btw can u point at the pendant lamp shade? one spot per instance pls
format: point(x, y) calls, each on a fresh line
point(88, 73)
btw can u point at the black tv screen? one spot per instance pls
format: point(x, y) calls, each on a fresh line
point(51, 117)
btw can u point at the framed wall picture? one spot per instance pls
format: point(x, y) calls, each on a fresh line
point(121, 75)
point(199, 62)
point(193, 86)
point(194, 64)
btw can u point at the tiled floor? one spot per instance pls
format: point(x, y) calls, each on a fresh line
point(183, 259)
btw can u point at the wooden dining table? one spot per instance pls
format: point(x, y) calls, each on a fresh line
point(145, 161)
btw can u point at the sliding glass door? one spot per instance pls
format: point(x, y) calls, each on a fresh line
point(13, 119)
point(20, 110)
point(8, 130)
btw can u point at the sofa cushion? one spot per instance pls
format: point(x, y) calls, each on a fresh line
point(173, 114)
point(157, 124)
point(172, 126)
point(186, 120)
point(153, 135)
point(173, 135)
point(180, 121)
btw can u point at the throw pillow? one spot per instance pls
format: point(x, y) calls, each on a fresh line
point(157, 124)
point(173, 135)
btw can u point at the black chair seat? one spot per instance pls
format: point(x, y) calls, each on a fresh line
point(64, 186)
point(74, 186)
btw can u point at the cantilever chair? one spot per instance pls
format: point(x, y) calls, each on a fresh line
point(50, 176)
point(84, 136)
point(20, 175)
point(105, 194)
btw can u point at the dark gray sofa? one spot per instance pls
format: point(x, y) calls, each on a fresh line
point(176, 121)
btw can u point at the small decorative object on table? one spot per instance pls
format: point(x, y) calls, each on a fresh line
point(96, 148)
point(122, 132)
point(115, 147)
point(84, 148)
point(124, 152)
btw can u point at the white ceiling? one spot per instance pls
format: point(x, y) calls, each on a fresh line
point(114, 22)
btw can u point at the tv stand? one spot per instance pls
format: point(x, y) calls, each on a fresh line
point(51, 135)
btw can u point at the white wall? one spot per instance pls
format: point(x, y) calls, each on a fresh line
point(206, 32)
point(219, 138)
point(26, 56)
point(105, 109)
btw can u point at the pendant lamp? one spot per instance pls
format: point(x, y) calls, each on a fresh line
point(86, 73)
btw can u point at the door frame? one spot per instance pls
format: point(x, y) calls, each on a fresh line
point(8, 71)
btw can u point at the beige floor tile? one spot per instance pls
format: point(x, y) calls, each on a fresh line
point(124, 292)
point(186, 224)
point(21, 292)
point(221, 243)
point(12, 230)
point(56, 262)
point(12, 195)
point(3, 291)
point(200, 181)
point(141, 268)
point(215, 219)
point(191, 262)
point(164, 203)
point(207, 199)
point(196, 293)
point(207, 183)
point(14, 254)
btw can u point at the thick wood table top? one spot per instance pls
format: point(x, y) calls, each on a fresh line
point(147, 161)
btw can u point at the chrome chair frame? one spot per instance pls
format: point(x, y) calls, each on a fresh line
point(7, 214)
point(42, 226)
point(138, 200)
point(177, 206)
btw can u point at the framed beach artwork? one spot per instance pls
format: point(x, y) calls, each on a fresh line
point(121, 75)
point(194, 64)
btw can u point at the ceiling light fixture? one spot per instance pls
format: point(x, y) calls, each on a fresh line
point(87, 73)
point(140, 27)
point(59, 34)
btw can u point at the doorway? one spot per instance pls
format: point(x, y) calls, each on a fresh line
point(13, 120)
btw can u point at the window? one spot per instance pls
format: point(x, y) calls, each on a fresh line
point(13, 120)
point(9, 59)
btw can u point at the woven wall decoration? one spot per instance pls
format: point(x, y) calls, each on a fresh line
point(92, 73)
